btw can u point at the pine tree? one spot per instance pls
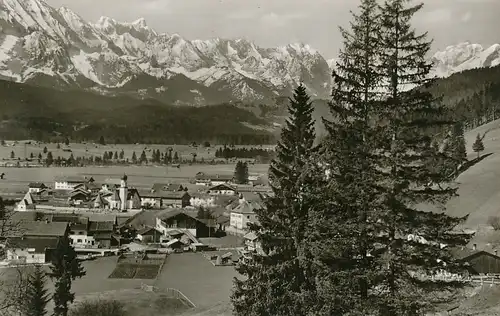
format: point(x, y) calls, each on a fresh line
point(122, 154)
point(115, 156)
point(31, 155)
point(478, 145)
point(405, 119)
point(66, 141)
point(40, 156)
point(12, 155)
point(102, 141)
point(45, 149)
point(71, 160)
point(277, 281)
point(37, 295)
point(143, 158)
point(49, 160)
point(65, 268)
point(241, 172)
point(58, 146)
point(340, 229)
point(176, 157)
point(134, 158)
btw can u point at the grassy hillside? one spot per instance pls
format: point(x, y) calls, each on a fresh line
point(479, 192)
point(28, 112)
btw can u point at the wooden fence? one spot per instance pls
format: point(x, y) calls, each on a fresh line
point(169, 292)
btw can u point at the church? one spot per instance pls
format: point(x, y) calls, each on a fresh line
point(122, 198)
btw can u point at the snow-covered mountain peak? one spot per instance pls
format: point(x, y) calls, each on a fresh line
point(141, 23)
point(464, 56)
point(105, 22)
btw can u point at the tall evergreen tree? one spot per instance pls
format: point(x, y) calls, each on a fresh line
point(405, 120)
point(115, 156)
point(241, 172)
point(122, 154)
point(143, 158)
point(341, 218)
point(176, 157)
point(277, 280)
point(478, 145)
point(134, 158)
point(49, 160)
point(37, 295)
point(65, 268)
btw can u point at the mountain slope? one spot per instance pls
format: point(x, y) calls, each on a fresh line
point(40, 113)
point(37, 40)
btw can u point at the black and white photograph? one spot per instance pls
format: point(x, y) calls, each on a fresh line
point(249, 157)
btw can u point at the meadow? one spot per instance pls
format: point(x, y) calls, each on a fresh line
point(185, 152)
point(17, 179)
point(190, 273)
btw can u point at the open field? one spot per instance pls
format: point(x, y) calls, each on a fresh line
point(189, 273)
point(139, 176)
point(138, 302)
point(88, 150)
point(479, 191)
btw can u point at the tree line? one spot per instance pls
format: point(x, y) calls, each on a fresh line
point(347, 231)
point(228, 152)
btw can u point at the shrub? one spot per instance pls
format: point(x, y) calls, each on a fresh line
point(99, 308)
point(494, 221)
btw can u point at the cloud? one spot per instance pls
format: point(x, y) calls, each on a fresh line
point(437, 16)
point(280, 20)
point(466, 17)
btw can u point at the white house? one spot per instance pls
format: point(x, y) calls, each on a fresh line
point(243, 214)
point(252, 242)
point(204, 179)
point(27, 203)
point(222, 189)
point(70, 182)
point(202, 200)
point(26, 250)
point(35, 187)
point(79, 236)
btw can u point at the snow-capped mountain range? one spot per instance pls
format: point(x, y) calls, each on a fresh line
point(57, 48)
point(43, 45)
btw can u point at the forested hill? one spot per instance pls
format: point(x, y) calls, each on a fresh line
point(472, 94)
point(29, 112)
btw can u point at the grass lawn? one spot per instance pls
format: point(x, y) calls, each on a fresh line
point(193, 275)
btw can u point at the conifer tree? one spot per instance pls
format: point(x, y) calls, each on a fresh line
point(405, 119)
point(241, 172)
point(12, 155)
point(134, 158)
point(65, 268)
point(115, 156)
point(143, 158)
point(277, 280)
point(478, 145)
point(122, 154)
point(176, 157)
point(45, 149)
point(340, 228)
point(37, 295)
point(49, 160)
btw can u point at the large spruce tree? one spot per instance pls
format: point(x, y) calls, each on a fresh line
point(37, 295)
point(413, 243)
point(277, 281)
point(64, 269)
point(339, 232)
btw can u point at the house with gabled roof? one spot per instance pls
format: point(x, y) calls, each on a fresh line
point(27, 203)
point(202, 178)
point(35, 187)
point(244, 214)
point(171, 187)
point(222, 189)
point(149, 234)
point(186, 222)
point(159, 199)
point(70, 182)
point(30, 250)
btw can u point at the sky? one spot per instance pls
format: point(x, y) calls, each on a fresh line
point(271, 23)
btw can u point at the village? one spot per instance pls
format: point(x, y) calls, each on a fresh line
point(211, 213)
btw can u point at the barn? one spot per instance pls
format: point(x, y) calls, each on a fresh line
point(479, 262)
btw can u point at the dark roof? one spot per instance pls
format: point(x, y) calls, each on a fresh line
point(466, 253)
point(68, 218)
point(250, 188)
point(146, 230)
point(38, 228)
point(222, 186)
point(39, 244)
point(122, 220)
point(102, 236)
point(223, 219)
point(167, 187)
point(73, 179)
point(101, 226)
point(38, 185)
point(247, 207)
point(163, 194)
point(79, 226)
